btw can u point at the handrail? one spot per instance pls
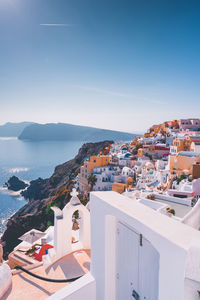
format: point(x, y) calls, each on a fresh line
point(46, 279)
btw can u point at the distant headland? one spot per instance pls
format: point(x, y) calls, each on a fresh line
point(61, 132)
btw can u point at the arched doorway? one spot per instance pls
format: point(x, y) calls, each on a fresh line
point(76, 220)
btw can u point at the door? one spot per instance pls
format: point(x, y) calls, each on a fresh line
point(148, 271)
point(137, 266)
point(127, 262)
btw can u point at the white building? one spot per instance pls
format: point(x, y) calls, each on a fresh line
point(107, 175)
point(195, 147)
point(136, 252)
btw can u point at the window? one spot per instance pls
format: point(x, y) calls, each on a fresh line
point(94, 160)
point(179, 196)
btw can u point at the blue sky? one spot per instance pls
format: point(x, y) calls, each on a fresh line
point(121, 65)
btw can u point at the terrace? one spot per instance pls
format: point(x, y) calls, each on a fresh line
point(25, 287)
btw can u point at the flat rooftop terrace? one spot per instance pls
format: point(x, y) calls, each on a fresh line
point(25, 286)
point(180, 209)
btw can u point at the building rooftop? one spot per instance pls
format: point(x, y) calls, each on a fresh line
point(189, 153)
point(167, 226)
point(70, 266)
point(195, 137)
point(180, 209)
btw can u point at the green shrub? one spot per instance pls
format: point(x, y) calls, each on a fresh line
point(179, 179)
point(49, 223)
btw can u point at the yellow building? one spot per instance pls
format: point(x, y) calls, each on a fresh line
point(119, 187)
point(96, 161)
point(179, 144)
point(146, 149)
point(87, 168)
point(183, 162)
point(140, 152)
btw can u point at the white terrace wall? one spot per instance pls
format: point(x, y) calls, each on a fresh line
point(63, 229)
point(82, 289)
point(169, 237)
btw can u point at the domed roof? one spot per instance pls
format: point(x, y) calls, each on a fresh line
point(128, 154)
point(149, 165)
point(126, 169)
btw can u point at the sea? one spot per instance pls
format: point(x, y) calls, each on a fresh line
point(28, 161)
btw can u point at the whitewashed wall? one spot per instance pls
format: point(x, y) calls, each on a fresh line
point(170, 238)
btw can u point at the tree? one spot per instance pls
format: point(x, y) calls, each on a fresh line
point(92, 181)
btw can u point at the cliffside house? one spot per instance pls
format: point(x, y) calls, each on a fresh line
point(155, 151)
point(183, 162)
point(189, 139)
point(196, 170)
point(189, 124)
point(178, 145)
point(87, 168)
point(195, 147)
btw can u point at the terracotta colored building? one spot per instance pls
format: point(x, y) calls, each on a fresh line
point(179, 143)
point(86, 169)
point(119, 187)
point(183, 162)
point(196, 171)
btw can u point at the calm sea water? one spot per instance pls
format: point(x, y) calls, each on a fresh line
point(28, 161)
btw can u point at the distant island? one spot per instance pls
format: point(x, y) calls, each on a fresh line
point(61, 132)
point(69, 132)
point(13, 129)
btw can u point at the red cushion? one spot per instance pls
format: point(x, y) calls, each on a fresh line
point(42, 251)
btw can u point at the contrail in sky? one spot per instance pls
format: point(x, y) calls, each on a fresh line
point(57, 25)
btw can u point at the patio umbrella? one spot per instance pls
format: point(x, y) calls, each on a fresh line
point(32, 236)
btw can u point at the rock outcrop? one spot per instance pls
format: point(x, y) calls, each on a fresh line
point(44, 193)
point(15, 184)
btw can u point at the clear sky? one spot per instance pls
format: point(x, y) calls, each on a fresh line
point(114, 64)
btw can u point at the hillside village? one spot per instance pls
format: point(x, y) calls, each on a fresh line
point(137, 235)
point(163, 164)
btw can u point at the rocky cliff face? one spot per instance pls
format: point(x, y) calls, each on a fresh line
point(44, 193)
